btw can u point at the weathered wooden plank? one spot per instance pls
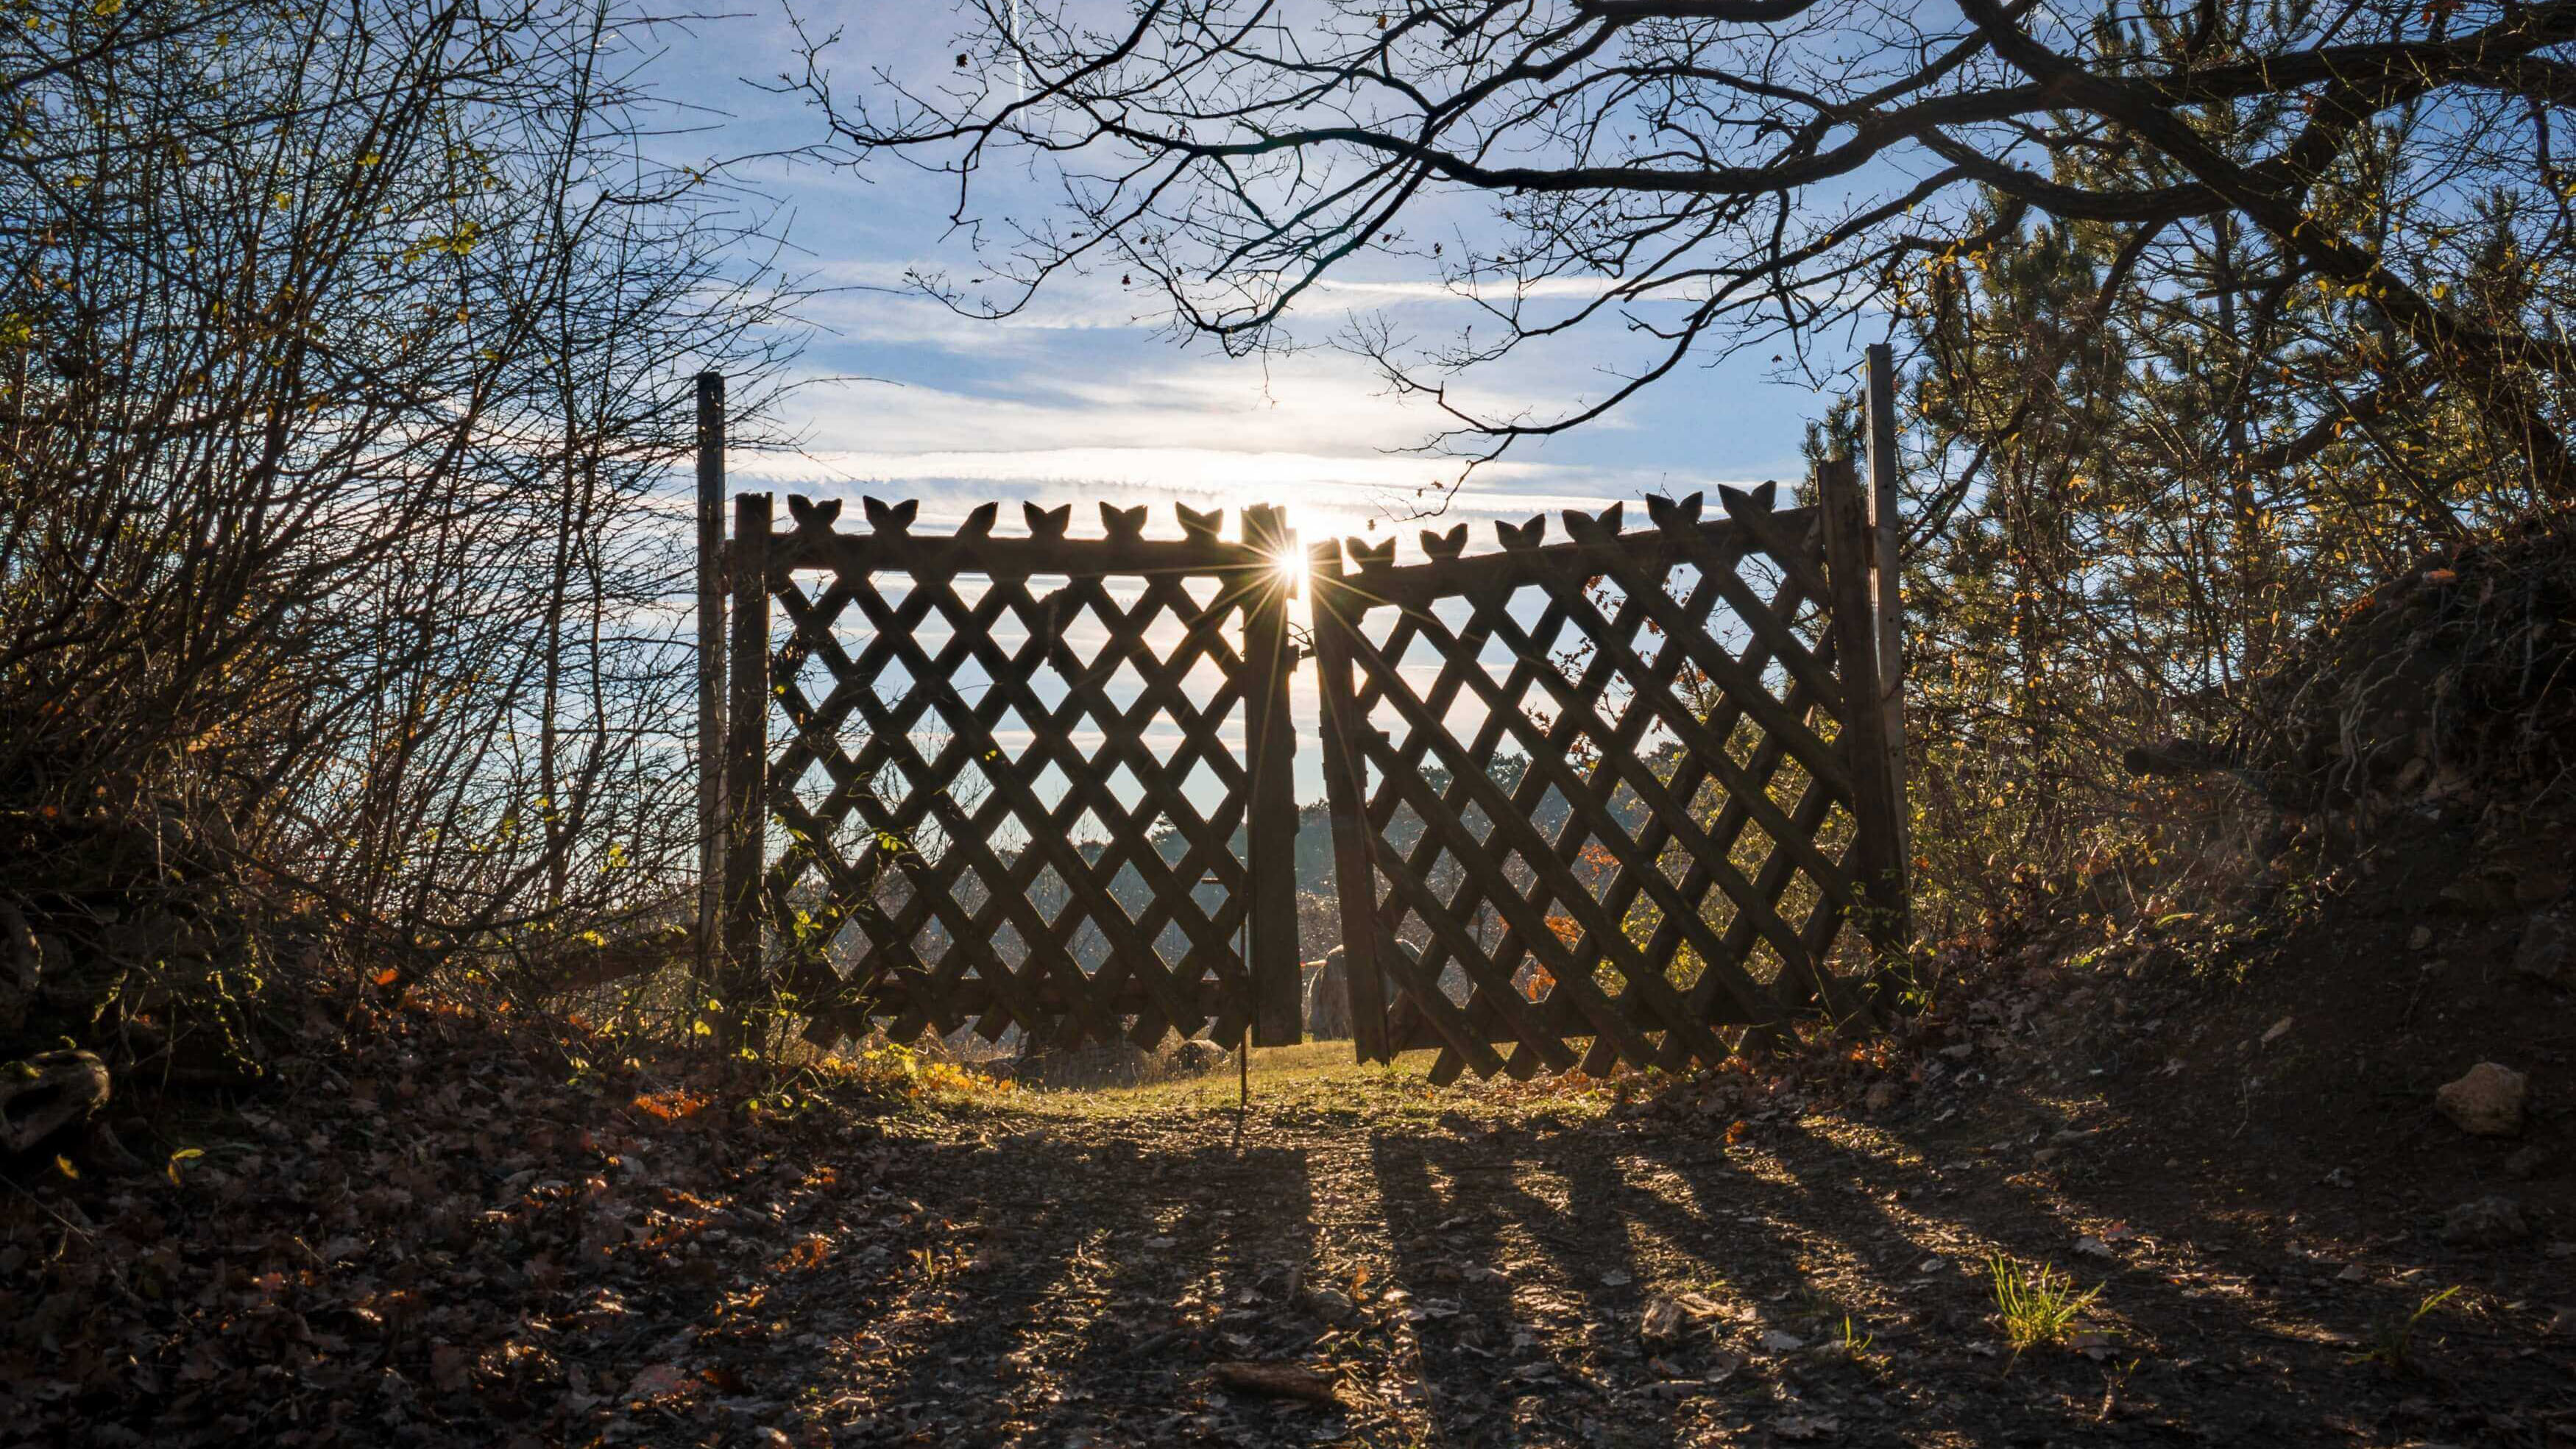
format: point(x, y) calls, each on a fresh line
point(1417, 585)
point(1345, 791)
point(1874, 861)
point(706, 947)
point(1887, 531)
point(1014, 557)
point(747, 744)
point(1270, 741)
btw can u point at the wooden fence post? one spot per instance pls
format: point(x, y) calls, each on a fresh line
point(1345, 798)
point(747, 766)
point(1877, 855)
point(1270, 834)
point(1887, 526)
point(711, 671)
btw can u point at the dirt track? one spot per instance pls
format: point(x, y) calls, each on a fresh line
point(1079, 1273)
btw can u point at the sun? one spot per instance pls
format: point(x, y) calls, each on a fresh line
point(1292, 565)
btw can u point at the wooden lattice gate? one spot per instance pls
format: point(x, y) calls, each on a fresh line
point(1626, 789)
point(1591, 802)
point(962, 825)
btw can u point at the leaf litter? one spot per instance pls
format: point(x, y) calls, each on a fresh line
point(481, 1247)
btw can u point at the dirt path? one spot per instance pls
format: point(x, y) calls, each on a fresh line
point(1478, 1268)
point(475, 1250)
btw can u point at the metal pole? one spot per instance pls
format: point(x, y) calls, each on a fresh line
point(1243, 1028)
point(711, 667)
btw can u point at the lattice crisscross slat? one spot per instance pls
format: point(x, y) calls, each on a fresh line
point(1690, 821)
point(943, 873)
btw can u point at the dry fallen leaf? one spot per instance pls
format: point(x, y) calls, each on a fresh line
point(1806, 1428)
point(655, 1381)
point(1662, 1322)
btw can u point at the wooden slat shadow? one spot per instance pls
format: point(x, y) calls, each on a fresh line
point(1648, 835)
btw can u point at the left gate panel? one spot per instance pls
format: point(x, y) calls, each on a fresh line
point(1010, 777)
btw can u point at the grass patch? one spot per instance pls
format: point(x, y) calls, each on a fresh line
point(2038, 1304)
point(2393, 1348)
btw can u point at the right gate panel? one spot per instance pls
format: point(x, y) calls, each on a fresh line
point(1596, 801)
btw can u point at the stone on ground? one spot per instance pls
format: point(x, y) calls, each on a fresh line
point(2543, 953)
point(2485, 1222)
point(2486, 1101)
point(1328, 998)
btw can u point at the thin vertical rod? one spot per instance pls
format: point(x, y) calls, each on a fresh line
point(711, 668)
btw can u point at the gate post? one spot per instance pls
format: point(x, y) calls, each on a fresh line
point(1345, 797)
point(1877, 850)
point(747, 765)
point(1270, 815)
point(711, 673)
point(1886, 529)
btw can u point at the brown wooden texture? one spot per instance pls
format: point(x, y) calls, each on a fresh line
point(711, 672)
point(1877, 859)
point(1599, 800)
point(1887, 532)
point(1345, 795)
point(747, 752)
point(1033, 781)
point(1270, 754)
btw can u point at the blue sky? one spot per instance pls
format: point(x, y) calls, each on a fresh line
point(1086, 397)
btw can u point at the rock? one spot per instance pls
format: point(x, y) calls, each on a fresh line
point(1331, 1305)
point(2486, 1101)
point(1328, 998)
point(2543, 952)
point(1881, 1096)
point(47, 1095)
point(2526, 1163)
point(2420, 939)
point(2485, 1222)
